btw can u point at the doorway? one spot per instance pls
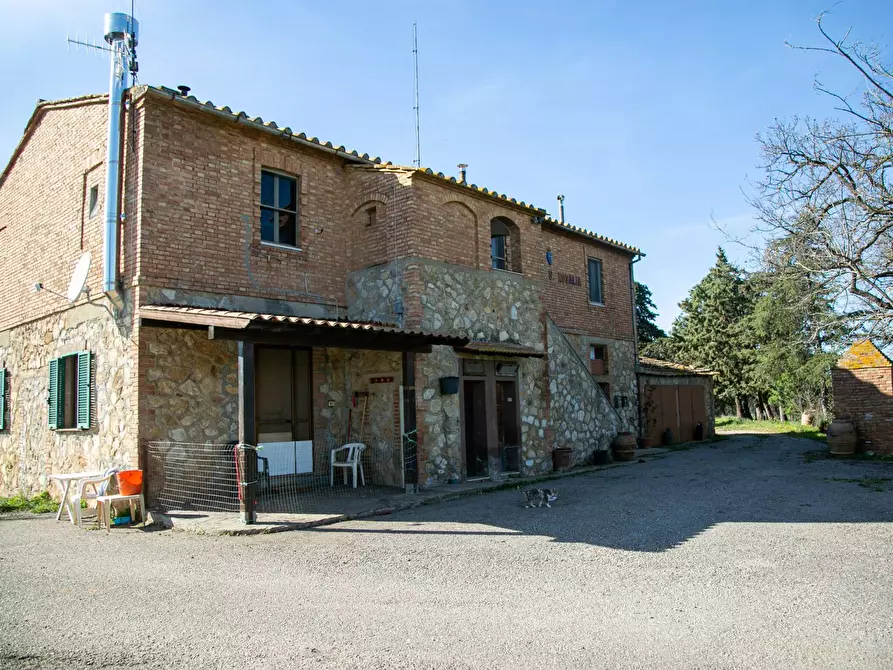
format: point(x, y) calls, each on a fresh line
point(491, 420)
point(283, 409)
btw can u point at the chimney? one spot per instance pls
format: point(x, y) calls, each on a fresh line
point(184, 90)
point(462, 167)
point(560, 209)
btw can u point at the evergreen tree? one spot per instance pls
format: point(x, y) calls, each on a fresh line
point(646, 313)
point(712, 331)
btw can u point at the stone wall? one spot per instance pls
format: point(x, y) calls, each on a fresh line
point(480, 304)
point(581, 417)
point(337, 373)
point(621, 376)
point(439, 435)
point(190, 388)
point(29, 450)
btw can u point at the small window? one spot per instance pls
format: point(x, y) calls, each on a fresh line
point(606, 388)
point(504, 240)
point(497, 252)
point(279, 209)
point(371, 215)
point(2, 398)
point(595, 282)
point(70, 389)
point(506, 369)
point(598, 359)
point(473, 368)
point(93, 205)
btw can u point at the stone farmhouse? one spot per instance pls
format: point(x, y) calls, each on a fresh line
point(275, 289)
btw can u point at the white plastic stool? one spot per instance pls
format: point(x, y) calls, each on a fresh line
point(104, 508)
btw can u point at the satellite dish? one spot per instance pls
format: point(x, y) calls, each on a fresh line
point(79, 277)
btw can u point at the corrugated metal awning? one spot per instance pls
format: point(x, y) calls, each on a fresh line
point(499, 349)
point(298, 330)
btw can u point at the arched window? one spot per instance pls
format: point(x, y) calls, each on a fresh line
point(505, 252)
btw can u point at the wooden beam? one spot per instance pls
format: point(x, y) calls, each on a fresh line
point(236, 322)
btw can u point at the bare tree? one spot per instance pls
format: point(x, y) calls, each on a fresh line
point(825, 204)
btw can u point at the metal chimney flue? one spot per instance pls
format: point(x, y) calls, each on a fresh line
point(560, 209)
point(184, 90)
point(122, 36)
point(462, 172)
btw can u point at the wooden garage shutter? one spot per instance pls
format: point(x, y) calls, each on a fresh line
point(84, 371)
point(55, 403)
point(2, 398)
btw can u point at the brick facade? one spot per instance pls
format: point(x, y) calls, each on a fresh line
point(191, 235)
point(863, 393)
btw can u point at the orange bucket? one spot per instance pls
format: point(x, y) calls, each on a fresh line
point(130, 482)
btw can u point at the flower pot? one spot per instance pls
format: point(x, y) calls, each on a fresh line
point(449, 385)
point(842, 437)
point(625, 446)
point(561, 458)
point(646, 442)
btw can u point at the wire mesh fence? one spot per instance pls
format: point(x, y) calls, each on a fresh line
point(315, 477)
point(193, 476)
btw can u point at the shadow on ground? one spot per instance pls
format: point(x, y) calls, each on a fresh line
point(657, 505)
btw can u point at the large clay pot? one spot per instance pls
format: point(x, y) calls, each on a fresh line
point(807, 418)
point(842, 437)
point(561, 458)
point(625, 447)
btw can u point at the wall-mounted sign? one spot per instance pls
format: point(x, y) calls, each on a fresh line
point(562, 278)
point(381, 380)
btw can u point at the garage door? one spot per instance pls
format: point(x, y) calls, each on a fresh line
point(679, 408)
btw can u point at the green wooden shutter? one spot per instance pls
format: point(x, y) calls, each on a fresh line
point(84, 370)
point(53, 404)
point(2, 398)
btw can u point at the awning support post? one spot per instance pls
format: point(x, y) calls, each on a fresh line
point(247, 435)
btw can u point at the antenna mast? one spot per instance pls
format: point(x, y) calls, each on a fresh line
point(415, 57)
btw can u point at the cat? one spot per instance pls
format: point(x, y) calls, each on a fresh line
point(539, 497)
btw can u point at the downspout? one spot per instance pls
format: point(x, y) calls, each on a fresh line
point(121, 33)
point(632, 289)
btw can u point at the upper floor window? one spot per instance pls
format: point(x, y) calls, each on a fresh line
point(279, 209)
point(505, 252)
point(598, 359)
point(596, 292)
point(93, 204)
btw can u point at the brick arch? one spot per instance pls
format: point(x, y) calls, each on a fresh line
point(461, 245)
point(370, 239)
point(368, 198)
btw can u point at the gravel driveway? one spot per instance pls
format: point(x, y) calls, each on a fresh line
point(737, 554)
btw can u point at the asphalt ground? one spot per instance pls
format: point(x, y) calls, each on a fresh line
point(738, 554)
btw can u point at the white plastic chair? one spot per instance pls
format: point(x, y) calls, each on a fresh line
point(100, 486)
point(348, 457)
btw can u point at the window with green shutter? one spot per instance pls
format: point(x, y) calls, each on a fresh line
point(70, 391)
point(83, 390)
point(2, 398)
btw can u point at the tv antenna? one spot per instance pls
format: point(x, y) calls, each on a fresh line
point(415, 57)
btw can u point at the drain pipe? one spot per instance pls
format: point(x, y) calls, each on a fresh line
point(121, 33)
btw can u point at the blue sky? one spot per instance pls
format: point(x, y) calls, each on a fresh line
point(643, 114)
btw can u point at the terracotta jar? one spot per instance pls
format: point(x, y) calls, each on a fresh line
point(842, 437)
